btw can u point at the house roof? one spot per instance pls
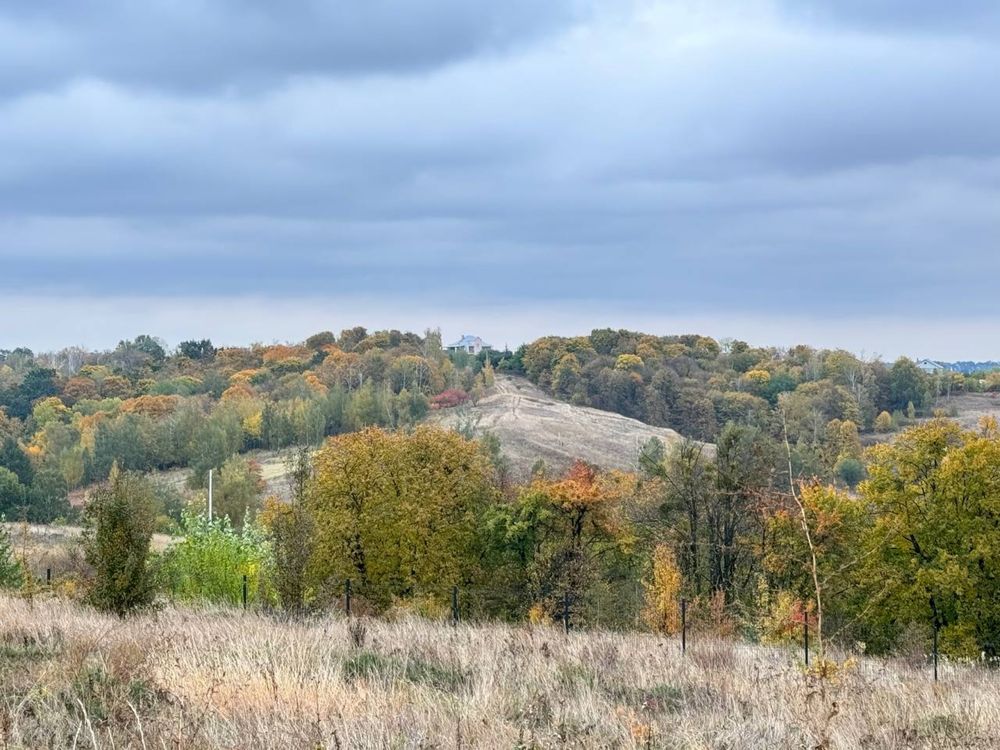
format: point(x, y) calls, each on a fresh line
point(467, 340)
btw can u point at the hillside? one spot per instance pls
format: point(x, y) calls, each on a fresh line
point(532, 425)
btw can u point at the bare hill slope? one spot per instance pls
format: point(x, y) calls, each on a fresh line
point(531, 425)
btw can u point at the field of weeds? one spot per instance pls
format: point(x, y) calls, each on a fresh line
point(226, 679)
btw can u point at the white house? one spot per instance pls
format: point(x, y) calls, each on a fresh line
point(931, 367)
point(469, 344)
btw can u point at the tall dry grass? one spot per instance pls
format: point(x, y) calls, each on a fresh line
point(182, 678)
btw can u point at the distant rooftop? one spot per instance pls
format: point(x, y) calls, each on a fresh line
point(467, 340)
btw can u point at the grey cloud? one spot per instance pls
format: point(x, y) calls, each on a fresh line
point(203, 45)
point(657, 161)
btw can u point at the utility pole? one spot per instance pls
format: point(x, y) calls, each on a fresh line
point(210, 495)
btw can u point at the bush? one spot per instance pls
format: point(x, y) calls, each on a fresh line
point(449, 399)
point(209, 564)
point(850, 471)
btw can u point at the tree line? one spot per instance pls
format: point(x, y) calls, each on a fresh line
point(697, 386)
point(409, 515)
point(67, 417)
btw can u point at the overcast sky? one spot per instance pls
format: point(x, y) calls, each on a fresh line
point(825, 171)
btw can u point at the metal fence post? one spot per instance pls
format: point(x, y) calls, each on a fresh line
point(347, 597)
point(805, 635)
point(935, 652)
point(48, 576)
point(246, 591)
point(565, 616)
point(684, 626)
point(454, 605)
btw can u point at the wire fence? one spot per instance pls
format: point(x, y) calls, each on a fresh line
point(476, 604)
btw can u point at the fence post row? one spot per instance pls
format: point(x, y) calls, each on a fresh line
point(456, 616)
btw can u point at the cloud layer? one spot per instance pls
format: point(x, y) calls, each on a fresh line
point(679, 160)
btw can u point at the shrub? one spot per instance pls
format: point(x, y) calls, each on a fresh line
point(209, 564)
point(850, 471)
point(449, 399)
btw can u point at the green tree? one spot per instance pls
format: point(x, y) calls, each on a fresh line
point(745, 464)
point(239, 489)
point(291, 530)
point(119, 523)
point(11, 570)
point(13, 458)
point(13, 494)
point(850, 471)
point(908, 384)
point(197, 350)
point(935, 494)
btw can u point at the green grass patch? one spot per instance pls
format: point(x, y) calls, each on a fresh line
point(369, 665)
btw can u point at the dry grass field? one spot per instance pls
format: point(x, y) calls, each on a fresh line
point(70, 677)
point(968, 408)
point(57, 547)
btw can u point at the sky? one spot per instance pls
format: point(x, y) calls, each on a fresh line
point(778, 171)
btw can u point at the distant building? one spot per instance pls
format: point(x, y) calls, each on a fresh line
point(931, 367)
point(469, 344)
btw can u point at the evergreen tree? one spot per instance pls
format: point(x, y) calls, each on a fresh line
point(120, 519)
point(11, 571)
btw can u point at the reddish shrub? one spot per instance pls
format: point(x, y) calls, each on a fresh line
point(449, 398)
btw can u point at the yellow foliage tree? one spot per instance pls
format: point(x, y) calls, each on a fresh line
point(397, 512)
point(663, 590)
point(883, 422)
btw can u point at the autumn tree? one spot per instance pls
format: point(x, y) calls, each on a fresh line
point(663, 592)
point(398, 513)
point(687, 482)
point(839, 538)
point(935, 495)
point(570, 537)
